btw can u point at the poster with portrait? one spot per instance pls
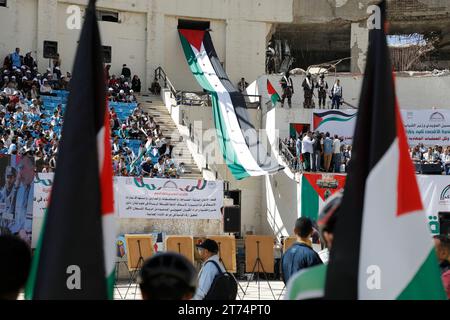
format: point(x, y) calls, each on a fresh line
point(16, 196)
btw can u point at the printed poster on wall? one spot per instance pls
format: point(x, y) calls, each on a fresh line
point(16, 196)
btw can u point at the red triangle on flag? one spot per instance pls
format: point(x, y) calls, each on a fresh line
point(194, 37)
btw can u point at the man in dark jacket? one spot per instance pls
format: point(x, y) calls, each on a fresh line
point(126, 72)
point(301, 254)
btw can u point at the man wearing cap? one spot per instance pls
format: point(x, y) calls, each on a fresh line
point(208, 251)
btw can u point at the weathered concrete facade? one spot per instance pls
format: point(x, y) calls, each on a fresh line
point(326, 30)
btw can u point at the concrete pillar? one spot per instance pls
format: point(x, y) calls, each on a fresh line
point(359, 43)
point(245, 49)
point(46, 28)
point(155, 41)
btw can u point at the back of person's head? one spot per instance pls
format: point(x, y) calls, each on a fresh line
point(303, 227)
point(168, 276)
point(329, 214)
point(15, 266)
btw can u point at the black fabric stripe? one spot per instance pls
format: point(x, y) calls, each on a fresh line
point(374, 133)
point(73, 230)
point(259, 152)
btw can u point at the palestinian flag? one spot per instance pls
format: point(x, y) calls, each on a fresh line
point(75, 254)
point(382, 246)
point(320, 118)
point(315, 189)
point(244, 154)
point(274, 97)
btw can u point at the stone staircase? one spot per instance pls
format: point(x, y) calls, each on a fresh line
point(155, 107)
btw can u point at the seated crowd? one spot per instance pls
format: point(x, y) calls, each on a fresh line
point(32, 114)
point(319, 152)
point(433, 155)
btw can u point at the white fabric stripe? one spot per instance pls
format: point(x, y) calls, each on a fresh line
point(108, 220)
point(109, 236)
point(101, 148)
point(234, 130)
point(397, 245)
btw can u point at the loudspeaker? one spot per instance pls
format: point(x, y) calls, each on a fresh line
point(50, 49)
point(235, 195)
point(232, 219)
point(444, 223)
point(107, 54)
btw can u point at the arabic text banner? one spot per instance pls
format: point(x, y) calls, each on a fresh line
point(169, 199)
point(429, 127)
point(435, 192)
point(151, 198)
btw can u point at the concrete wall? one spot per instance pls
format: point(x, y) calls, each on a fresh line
point(127, 39)
point(147, 36)
point(18, 25)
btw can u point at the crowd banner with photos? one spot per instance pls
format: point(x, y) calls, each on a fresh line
point(16, 196)
point(428, 126)
point(152, 198)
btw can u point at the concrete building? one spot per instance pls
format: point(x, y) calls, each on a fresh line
point(143, 34)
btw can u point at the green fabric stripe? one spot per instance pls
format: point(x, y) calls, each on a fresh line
point(427, 283)
point(31, 281)
point(225, 144)
point(110, 280)
point(275, 98)
point(312, 280)
point(310, 201)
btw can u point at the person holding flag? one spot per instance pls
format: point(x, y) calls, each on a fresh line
point(382, 247)
point(75, 255)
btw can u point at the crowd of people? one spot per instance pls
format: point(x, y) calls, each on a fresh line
point(31, 122)
point(309, 86)
point(319, 152)
point(432, 155)
point(322, 152)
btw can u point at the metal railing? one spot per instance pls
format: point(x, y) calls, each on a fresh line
point(193, 98)
point(160, 74)
point(291, 160)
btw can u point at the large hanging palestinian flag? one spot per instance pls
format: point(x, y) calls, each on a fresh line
point(244, 154)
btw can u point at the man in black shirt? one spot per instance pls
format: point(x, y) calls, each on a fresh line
point(126, 72)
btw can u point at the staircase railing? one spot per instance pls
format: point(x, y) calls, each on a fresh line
point(160, 74)
point(291, 160)
point(200, 98)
